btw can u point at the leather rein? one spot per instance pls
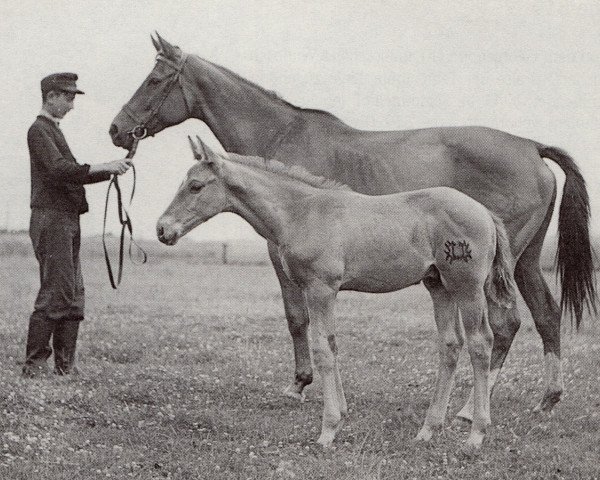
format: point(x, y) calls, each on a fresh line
point(139, 132)
point(124, 220)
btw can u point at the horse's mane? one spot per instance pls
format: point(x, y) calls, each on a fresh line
point(295, 172)
point(178, 52)
point(269, 93)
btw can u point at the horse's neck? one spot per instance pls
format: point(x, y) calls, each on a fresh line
point(244, 118)
point(265, 200)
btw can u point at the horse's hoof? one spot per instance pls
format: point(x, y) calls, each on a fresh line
point(547, 403)
point(473, 443)
point(291, 391)
point(326, 439)
point(461, 422)
point(424, 435)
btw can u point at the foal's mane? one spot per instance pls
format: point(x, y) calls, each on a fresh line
point(294, 172)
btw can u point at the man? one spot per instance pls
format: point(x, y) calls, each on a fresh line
point(57, 200)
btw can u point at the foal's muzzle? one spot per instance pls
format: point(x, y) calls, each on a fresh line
point(168, 232)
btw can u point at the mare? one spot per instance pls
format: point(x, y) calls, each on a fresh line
point(329, 238)
point(505, 173)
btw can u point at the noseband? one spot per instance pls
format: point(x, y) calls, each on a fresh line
point(140, 131)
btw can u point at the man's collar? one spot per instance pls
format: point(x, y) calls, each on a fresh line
point(49, 116)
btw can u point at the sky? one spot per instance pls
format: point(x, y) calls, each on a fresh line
point(530, 68)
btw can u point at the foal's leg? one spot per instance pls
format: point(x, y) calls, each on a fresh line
point(320, 300)
point(479, 341)
point(450, 344)
point(297, 318)
point(505, 323)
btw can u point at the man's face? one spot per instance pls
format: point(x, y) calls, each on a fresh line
point(59, 103)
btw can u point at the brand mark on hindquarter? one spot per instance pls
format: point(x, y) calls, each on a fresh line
point(457, 251)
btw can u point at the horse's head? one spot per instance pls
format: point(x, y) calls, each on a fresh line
point(200, 197)
point(162, 100)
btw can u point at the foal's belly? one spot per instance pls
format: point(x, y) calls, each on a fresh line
point(381, 278)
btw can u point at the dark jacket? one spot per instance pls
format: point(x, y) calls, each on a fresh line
point(56, 178)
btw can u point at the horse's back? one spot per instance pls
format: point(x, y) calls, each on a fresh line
point(502, 171)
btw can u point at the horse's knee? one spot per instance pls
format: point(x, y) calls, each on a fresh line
point(449, 354)
point(297, 326)
point(505, 327)
point(480, 350)
point(323, 360)
point(450, 346)
point(323, 357)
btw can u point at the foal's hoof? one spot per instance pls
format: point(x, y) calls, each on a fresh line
point(473, 443)
point(292, 391)
point(423, 436)
point(551, 398)
point(326, 439)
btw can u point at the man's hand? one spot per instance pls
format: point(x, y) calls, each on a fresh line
point(118, 167)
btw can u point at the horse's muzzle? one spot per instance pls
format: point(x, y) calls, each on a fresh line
point(120, 138)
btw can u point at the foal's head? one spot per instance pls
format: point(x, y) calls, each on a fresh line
point(200, 197)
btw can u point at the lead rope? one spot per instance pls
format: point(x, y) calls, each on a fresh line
point(125, 221)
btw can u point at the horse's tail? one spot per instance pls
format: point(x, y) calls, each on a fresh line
point(500, 284)
point(574, 256)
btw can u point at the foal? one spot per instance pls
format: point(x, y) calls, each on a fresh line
point(330, 239)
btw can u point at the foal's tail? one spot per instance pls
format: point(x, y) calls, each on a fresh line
point(500, 284)
point(575, 256)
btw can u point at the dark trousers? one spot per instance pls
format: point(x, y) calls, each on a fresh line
point(59, 306)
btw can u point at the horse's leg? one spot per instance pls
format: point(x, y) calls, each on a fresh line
point(450, 338)
point(546, 315)
point(297, 318)
point(479, 341)
point(505, 323)
point(338, 379)
point(320, 300)
point(544, 310)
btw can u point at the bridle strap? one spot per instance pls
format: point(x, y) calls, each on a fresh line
point(139, 132)
point(126, 224)
point(177, 79)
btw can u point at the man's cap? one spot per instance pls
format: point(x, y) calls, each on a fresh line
point(63, 82)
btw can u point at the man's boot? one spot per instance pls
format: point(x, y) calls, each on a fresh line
point(38, 346)
point(65, 344)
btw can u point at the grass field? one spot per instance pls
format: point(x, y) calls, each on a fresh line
point(183, 368)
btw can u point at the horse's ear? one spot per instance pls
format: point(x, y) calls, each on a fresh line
point(155, 42)
point(168, 50)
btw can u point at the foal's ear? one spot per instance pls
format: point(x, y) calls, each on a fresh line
point(202, 152)
point(208, 155)
point(197, 149)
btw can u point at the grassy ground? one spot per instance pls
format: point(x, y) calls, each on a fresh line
point(183, 368)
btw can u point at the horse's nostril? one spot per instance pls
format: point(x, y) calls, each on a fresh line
point(159, 231)
point(113, 130)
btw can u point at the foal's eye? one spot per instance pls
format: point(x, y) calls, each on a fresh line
point(195, 187)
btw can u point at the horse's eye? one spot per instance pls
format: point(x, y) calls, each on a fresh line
point(154, 81)
point(195, 187)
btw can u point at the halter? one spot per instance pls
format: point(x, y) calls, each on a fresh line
point(140, 131)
